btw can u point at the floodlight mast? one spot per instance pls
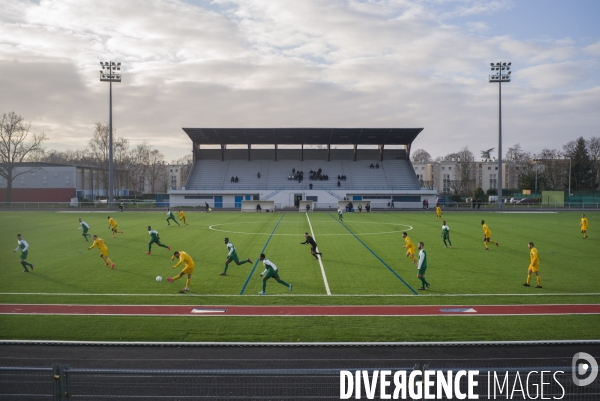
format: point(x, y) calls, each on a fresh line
point(110, 72)
point(499, 76)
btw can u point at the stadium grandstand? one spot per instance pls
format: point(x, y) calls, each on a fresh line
point(290, 165)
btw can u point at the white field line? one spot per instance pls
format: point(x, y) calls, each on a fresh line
point(585, 294)
point(320, 261)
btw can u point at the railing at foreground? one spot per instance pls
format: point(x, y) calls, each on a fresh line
point(61, 383)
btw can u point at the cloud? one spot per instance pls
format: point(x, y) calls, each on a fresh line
point(244, 63)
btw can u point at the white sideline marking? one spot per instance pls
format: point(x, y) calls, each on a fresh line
point(539, 294)
point(320, 261)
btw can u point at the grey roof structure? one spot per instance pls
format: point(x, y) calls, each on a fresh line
point(303, 136)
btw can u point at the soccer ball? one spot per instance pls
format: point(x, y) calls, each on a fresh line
point(159, 279)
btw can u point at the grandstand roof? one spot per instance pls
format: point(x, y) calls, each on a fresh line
point(301, 136)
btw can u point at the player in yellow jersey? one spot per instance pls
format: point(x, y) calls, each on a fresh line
point(487, 234)
point(534, 266)
point(182, 217)
point(188, 268)
point(101, 245)
point(112, 224)
point(410, 248)
point(438, 212)
point(584, 226)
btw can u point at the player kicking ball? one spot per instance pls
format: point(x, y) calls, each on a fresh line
point(271, 271)
point(187, 269)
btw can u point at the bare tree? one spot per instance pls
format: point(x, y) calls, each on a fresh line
point(464, 172)
point(185, 165)
point(593, 146)
point(15, 147)
point(553, 167)
point(155, 168)
point(516, 154)
point(421, 156)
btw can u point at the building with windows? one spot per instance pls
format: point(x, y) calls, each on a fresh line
point(453, 176)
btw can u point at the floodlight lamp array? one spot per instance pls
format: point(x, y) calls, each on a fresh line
point(110, 71)
point(499, 75)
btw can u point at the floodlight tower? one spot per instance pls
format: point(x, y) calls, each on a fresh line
point(501, 74)
point(110, 72)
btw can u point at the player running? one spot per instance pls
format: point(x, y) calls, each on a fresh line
point(182, 217)
point(584, 226)
point(487, 234)
point(232, 256)
point(101, 245)
point(112, 224)
point(85, 227)
point(446, 234)
point(410, 248)
point(171, 217)
point(534, 266)
point(187, 269)
point(340, 215)
point(438, 212)
point(23, 246)
point(313, 246)
point(155, 239)
point(271, 271)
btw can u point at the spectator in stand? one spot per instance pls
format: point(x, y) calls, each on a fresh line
point(293, 170)
point(377, 165)
point(339, 183)
point(236, 179)
point(310, 185)
point(232, 179)
point(371, 166)
point(258, 175)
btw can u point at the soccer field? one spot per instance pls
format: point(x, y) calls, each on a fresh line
point(363, 263)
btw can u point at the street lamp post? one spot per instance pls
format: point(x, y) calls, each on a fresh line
point(110, 72)
point(500, 76)
point(569, 157)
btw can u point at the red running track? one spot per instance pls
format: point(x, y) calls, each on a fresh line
point(189, 310)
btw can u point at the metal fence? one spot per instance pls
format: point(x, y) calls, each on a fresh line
point(98, 206)
point(61, 383)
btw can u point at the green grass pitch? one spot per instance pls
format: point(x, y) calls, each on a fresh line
point(363, 261)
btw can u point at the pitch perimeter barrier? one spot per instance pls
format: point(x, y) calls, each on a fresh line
point(318, 206)
point(61, 383)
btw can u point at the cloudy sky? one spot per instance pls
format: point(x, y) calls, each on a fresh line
point(304, 63)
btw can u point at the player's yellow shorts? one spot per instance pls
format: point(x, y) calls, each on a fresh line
point(104, 252)
point(188, 269)
point(534, 269)
point(114, 228)
point(411, 250)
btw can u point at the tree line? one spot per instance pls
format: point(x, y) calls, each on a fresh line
point(135, 167)
point(577, 164)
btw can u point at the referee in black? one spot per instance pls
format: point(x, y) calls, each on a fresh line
point(313, 245)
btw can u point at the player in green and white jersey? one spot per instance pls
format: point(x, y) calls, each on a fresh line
point(23, 246)
point(155, 239)
point(341, 215)
point(446, 234)
point(232, 256)
point(85, 227)
point(271, 271)
point(170, 216)
point(422, 266)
